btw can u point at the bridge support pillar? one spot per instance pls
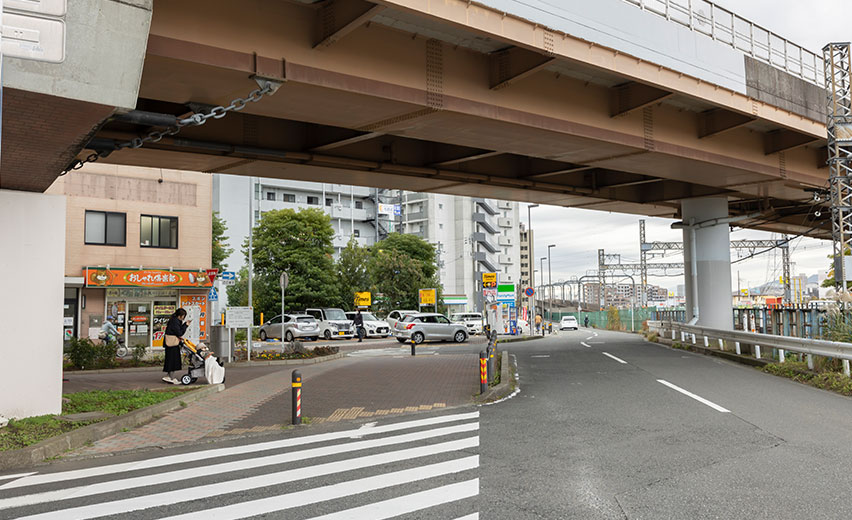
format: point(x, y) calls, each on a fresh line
point(707, 261)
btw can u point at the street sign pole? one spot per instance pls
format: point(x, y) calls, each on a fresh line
point(284, 281)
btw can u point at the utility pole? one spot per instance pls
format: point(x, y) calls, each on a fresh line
point(837, 60)
point(550, 283)
point(643, 261)
point(532, 260)
point(543, 289)
point(252, 190)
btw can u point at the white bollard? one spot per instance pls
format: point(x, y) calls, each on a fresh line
point(757, 351)
point(737, 346)
point(810, 362)
point(673, 334)
point(721, 344)
point(693, 339)
point(780, 355)
point(682, 336)
point(846, 367)
point(706, 342)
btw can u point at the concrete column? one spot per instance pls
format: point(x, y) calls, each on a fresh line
point(708, 276)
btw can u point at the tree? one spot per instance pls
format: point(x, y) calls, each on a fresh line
point(413, 247)
point(829, 280)
point(299, 242)
point(613, 319)
point(352, 273)
point(400, 265)
point(220, 249)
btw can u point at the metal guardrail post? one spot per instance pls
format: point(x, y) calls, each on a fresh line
point(757, 351)
point(721, 344)
point(737, 346)
point(781, 355)
point(846, 368)
point(296, 393)
point(706, 341)
point(810, 362)
point(693, 338)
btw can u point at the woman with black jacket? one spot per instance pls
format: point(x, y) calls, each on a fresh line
point(175, 330)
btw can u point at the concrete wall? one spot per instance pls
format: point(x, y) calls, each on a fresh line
point(776, 87)
point(32, 258)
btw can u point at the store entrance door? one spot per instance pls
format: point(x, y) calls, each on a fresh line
point(139, 324)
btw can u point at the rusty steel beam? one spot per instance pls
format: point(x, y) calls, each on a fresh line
point(514, 64)
point(783, 140)
point(633, 96)
point(336, 19)
point(719, 120)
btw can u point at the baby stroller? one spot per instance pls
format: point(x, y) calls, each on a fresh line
point(198, 358)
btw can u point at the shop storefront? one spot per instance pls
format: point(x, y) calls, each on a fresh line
point(142, 300)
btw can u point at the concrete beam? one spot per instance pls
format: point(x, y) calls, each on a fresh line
point(783, 140)
point(719, 120)
point(514, 64)
point(336, 19)
point(633, 96)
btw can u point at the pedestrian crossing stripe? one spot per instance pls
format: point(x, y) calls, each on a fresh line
point(121, 494)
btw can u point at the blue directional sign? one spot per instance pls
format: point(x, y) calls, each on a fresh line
point(228, 275)
point(213, 295)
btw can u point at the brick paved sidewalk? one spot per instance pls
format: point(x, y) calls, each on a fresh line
point(348, 388)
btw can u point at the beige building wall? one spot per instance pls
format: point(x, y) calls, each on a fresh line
point(136, 191)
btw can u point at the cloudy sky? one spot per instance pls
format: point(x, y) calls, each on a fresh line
point(579, 233)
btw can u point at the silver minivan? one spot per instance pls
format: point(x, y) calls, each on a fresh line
point(333, 322)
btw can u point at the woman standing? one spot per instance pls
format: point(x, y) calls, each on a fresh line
point(175, 330)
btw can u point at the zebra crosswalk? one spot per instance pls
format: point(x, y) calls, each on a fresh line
point(425, 467)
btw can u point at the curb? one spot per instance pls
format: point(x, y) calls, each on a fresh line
point(504, 388)
point(516, 340)
point(306, 361)
point(32, 455)
point(730, 356)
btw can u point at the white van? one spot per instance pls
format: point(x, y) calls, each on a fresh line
point(472, 320)
point(332, 322)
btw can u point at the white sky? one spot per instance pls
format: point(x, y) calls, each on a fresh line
point(578, 234)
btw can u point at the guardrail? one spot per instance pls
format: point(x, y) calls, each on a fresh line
point(782, 344)
point(727, 27)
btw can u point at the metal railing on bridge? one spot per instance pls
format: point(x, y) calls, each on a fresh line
point(751, 343)
point(727, 27)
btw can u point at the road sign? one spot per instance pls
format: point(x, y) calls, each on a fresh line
point(363, 299)
point(284, 280)
point(239, 317)
point(211, 274)
point(213, 295)
point(428, 296)
point(227, 275)
point(529, 291)
point(489, 280)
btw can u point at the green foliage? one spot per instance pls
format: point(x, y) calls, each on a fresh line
point(220, 249)
point(84, 353)
point(398, 277)
point(413, 247)
point(138, 353)
point(352, 272)
point(798, 371)
point(613, 320)
point(116, 402)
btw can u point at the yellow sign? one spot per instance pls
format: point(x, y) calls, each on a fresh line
point(363, 299)
point(428, 296)
point(489, 280)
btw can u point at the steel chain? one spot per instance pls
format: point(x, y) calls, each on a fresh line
point(197, 119)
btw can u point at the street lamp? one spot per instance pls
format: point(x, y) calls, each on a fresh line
point(541, 270)
point(550, 283)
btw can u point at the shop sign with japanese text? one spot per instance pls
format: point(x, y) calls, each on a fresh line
point(109, 277)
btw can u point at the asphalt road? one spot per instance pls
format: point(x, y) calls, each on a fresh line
point(604, 427)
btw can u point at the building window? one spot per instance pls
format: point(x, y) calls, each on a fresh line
point(289, 197)
point(270, 195)
point(356, 233)
point(440, 226)
point(440, 206)
point(314, 201)
point(105, 228)
point(158, 232)
point(329, 202)
point(359, 204)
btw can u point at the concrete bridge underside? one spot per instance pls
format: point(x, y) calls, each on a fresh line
point(422, 96)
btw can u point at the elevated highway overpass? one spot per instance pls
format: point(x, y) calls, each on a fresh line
point(600, 105)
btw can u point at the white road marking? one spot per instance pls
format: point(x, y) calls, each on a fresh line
point(585, 345)
point(696, 397)
point(409, 503)
point(331, 492)
point(607, 354)
point(474, 516)
point(16, 475)
point(590, 337)
point(198, 456)
point(227, 467)
point(543, 356)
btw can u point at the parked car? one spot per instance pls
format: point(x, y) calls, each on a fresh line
point(373, 327)
point(569, 323)
point(395, 316)
point(428, 326)
point(294, 326)
point(472, 320)
point(332, 322)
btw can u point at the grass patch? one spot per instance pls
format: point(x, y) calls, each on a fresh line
point(798, 371)
point(20, 433)
point(680, 346)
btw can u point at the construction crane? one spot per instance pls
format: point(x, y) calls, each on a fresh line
point(838, 72)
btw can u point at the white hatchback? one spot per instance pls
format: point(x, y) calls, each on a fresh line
point(569, 323)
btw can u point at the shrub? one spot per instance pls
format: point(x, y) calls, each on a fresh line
point(138, 353)
point(613, 320)
point(104, 354)
point(81, 352)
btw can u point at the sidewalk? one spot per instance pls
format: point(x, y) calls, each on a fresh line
point(257, 399)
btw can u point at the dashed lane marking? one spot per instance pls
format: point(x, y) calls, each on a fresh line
point(696, 397)
point(607, 354)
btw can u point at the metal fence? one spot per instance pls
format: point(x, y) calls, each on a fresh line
point(743, 35)
point(751, 343)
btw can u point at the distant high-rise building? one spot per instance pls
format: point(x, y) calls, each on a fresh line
point(526, 259)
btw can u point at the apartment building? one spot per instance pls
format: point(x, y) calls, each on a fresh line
point(526, 260)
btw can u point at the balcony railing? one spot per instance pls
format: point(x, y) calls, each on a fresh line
point(743, 35)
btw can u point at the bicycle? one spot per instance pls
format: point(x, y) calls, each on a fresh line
point(121, 349)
